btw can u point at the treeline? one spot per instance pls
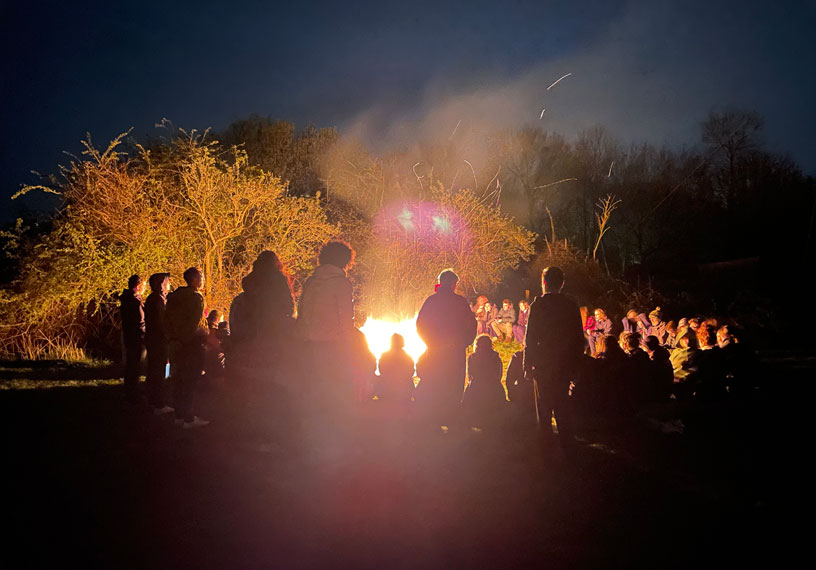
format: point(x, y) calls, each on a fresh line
point(633, 224)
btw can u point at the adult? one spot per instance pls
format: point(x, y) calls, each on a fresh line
point(446, 326)
point(158, 351)
point(554, 345)
point(520, 328)
point(187, 332)
point(636, 322)
point(131, 312)
point(491, 313)
point(504, 321)
point(326, 325)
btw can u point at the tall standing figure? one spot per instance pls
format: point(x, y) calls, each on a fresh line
point(158, 351)
point(187, 331)
point(553, 349)
point(326, 324)
point(131, 311)
point(446, 325)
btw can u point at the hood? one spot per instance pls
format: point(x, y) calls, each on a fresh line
point(328, 273)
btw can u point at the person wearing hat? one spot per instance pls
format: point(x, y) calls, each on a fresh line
point(158, 351)
point(446, 325)
point(684, 362)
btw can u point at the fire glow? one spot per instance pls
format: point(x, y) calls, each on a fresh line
point(378, 335)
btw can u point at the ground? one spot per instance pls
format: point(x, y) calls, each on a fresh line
point(90, 481)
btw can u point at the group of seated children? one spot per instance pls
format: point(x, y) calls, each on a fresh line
point(503, 324)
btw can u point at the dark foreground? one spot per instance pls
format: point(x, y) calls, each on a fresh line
point(89, 481)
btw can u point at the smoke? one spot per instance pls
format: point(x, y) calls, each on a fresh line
point(653, 74)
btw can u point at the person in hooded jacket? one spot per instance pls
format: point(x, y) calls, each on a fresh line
point(326, 326)
point(131, 312)
point(446, 325)
point(158, 351)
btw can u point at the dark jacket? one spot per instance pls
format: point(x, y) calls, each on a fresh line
point(484, 391)
point(326, 310)
point(154, 308)
point(445, 322)
point(184, 316)
point(131, 311)
point(555, 337)
point(506, 315)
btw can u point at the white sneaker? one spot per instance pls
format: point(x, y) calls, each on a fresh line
point(163, 411)
point(197, 422)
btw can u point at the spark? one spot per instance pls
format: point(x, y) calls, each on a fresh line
point(454, 129)
point(554, 183)
point(495, 176)
point(611, 164)
point(541, 116)
point(418, 177)
point(475, 182)
point(557, 81)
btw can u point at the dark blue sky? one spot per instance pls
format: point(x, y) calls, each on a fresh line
point(392, 72)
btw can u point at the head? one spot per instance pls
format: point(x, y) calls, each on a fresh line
point(629, 342)
point(506, 304)
point(482, 343)
point(725, 336)
point(524, 305)
point(397, 342)
point(552, 279)
point(136, 284)
point(631, 315)
point(682, 323)
point(694, 323)
point(481, 300)
point(656, 316)
point(651, 343)
point(671, 328)
point(214, 318)
point(268, 261)
point(706, 336)
point(686, 338)
point(194, 278)
point(447, 279)
point(600, 315)
point(337, 253)
point(159, 282)
point(488, 306)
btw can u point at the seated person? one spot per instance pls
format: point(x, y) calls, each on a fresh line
point(684, 363)
point(661, 375)
point(710, 369)
point(520, 328)
point(635, 368)
point(481, 315)
point(491, 311)
point(396, 382)
point(504, 321)
point(636, 322)
point(602, 327)
point(671, 335)
point(657, 326)
point(484, 396)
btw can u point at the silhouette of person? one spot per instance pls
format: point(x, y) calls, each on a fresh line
point(446, 325)
point(484, 396)
point(132, 315)
point(158, 351)
point(396, 372)
point(326, 325)
point(187, 332)
point(554, 345)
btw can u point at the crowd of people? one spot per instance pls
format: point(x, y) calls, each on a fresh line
point(286, 362)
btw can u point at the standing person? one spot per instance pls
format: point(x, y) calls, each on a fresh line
point(326, 325)
point(158, 351)
point(504, 321)
point(131, 311)
point(446, 326)
point(187, 332)
point(555, 342)
point(520, 328)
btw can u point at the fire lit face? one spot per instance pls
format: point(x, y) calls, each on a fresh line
point(488, 306)
point(506, 305)
point(600, 315)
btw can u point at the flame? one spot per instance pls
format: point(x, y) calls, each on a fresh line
point(378, 335)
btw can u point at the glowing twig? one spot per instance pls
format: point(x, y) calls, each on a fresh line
point(554, 83)
point(554, 183)
point(541, 116)
point(475, 182)
point(418, 177)
point(454, 129)
point(611, 164)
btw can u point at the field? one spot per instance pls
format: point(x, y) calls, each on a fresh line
point(91, 481)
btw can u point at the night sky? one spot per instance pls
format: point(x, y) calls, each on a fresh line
point(397, 72)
